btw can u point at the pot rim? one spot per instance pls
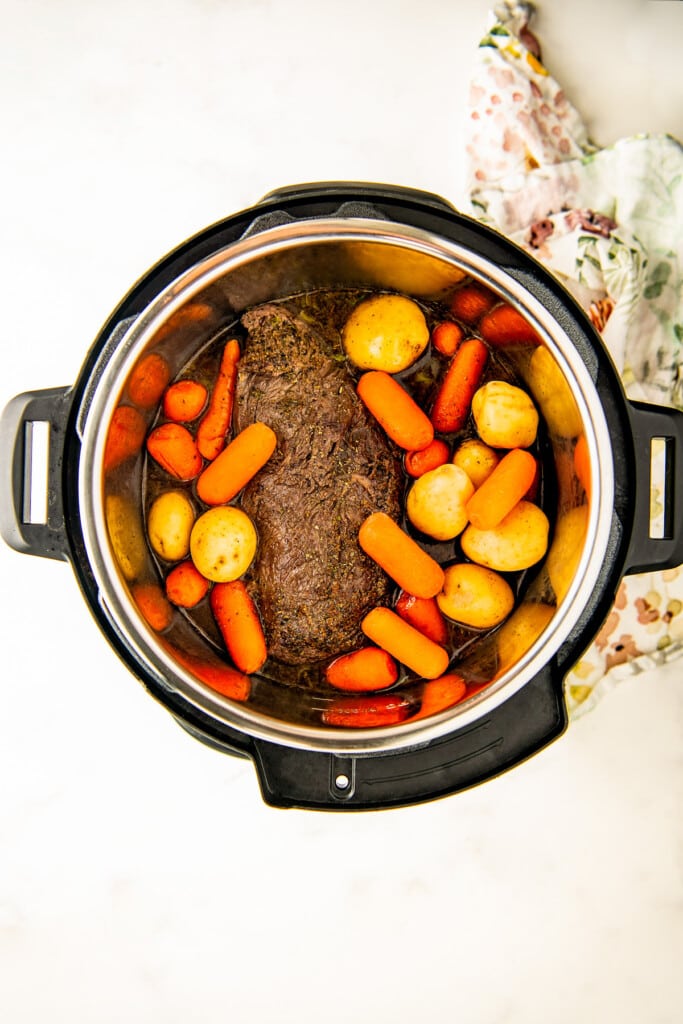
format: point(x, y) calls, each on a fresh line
point(102, 399)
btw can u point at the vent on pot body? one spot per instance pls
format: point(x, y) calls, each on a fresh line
point(321, 276)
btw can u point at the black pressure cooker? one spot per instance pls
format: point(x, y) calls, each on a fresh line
point(344, 235)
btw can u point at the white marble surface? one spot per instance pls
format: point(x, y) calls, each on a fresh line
point(141, 877)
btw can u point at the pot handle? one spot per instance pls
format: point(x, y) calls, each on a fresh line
point(647, 553)
point(523, 725)
point(23, 527)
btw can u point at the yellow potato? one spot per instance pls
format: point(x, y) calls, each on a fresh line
point(477, 459)
point(567, 548)
point(125, 533)
point(552, 392)
point(436, 501)
point(386, 332)
point(519, 541)
point(169, 523)
point(520, 632)
point(223, 543)
point(475, 596)
point(505, 415)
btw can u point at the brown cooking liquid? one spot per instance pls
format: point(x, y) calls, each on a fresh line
point(300, 693)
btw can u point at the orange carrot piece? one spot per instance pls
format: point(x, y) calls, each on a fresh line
point(446, 337)
point(471, 302)
point(237, 464)
point(224, 679)
point(473, 688)
point(394, 409)
point(440, 694)
point(185, 585)
point(125, 437)
point(405, 643)
point(531, 493)
point(153, 605)
point(424, 614)
point(174, 448)
point(452, 403)
point(215, 424)
point(500, 492)
point(148, 380)
point(193, 313)
point(435, 454)
point(582, 465)
point(400, 556)
point(368, 668)
point(504, 325)
point(184, 401)
point(238, 620)
point(367, 712)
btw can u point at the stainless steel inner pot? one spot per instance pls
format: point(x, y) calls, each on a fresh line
point(277, 262)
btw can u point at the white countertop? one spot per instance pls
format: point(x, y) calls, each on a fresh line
point(141, 876)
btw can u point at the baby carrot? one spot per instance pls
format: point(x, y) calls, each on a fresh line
point(500, 492)
point(368, 668)
point(452, 403)
point(193, 313)
point(216, 421)
point(367, 712)
point(184, 401)
point(125, 437)
point(153, 606)
point(174, 448)
point(148, 380)
point(405, 643)
point(471, 302)
point(240, 626)
point(434, 455)
point(237, 464)
point(400, 556)
point(185, 585)
point(531, 494)
point(423, 613)
point(440, 694)
point(224, 679)
point(504, 325)
point(395, 411)
point(446, 337)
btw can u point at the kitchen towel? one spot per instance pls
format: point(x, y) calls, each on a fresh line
point(609, 223)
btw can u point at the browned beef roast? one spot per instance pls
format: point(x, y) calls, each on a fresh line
point(333, 466)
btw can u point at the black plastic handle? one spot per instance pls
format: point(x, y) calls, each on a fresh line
point(358, 189)
point(647, 553)
point(48, 538)
point(520, 727)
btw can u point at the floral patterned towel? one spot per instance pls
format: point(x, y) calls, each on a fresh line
point(609, 223)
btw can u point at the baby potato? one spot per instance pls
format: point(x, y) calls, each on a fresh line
point(505, 415)
point(223, 543)
point(126, 536)
point(566, 550)
point(553, 394)
point(520, 632)
point(519, 541)
point(386, 332)
point(436, 501)
point(169, 523)
point(477, 459)
point(475, 596)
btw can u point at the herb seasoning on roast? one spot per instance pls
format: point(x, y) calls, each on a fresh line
point(333, 466)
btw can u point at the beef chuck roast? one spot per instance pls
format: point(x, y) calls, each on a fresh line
point(333, 466)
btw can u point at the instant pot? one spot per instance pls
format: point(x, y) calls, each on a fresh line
point(344, 235)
